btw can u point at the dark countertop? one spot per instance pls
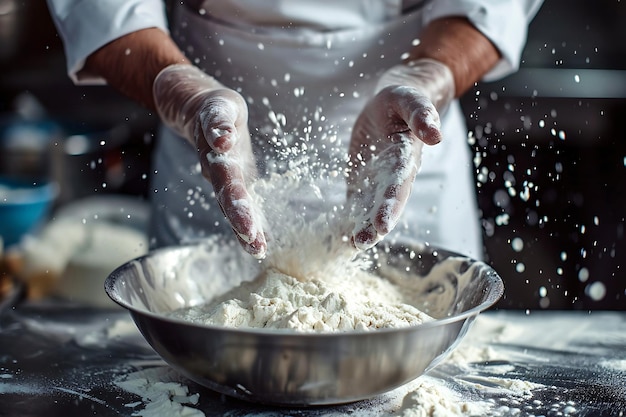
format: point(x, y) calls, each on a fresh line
point(64, 360)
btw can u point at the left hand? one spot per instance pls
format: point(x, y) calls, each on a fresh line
point(386, 145)
point(214, 119)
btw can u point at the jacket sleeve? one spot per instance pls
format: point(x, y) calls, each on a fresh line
point(504, 22)
point(85, 26)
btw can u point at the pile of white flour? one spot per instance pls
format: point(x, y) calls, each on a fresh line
point(339, 303)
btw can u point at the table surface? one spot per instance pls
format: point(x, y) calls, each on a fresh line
point(66, 360)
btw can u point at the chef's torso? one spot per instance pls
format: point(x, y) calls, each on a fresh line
point(306, 68)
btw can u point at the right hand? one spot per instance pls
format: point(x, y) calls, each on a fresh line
point(386, 144)
point(214, 119)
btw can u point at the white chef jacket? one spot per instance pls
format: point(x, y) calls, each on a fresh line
point(302, 58)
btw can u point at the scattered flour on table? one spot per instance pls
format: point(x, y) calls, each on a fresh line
point(614, 364)
point(162, 391)
point(122, 329)
point(430, 398)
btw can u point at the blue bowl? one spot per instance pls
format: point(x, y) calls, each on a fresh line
point(24, 205)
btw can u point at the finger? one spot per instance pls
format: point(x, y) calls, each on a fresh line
point(387, 215)
point(365, 237)
point(395, 168)
point(425, 124)
point(419, 114)
point(220, 115)
point(397, 183)
point(236, 203)
point(256, 248)
point(220, 137)
point(391, 208)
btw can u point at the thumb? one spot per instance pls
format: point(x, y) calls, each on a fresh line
point(223, 118)
point(419, 114)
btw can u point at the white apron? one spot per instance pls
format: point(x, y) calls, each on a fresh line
point(287, 58)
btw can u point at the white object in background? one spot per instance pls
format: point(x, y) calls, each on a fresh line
point(85, 242)
point(106, 246)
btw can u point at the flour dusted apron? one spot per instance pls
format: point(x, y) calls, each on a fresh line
point(306, 67)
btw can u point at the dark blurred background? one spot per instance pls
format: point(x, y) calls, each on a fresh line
point(552, 175)
point(550, 146)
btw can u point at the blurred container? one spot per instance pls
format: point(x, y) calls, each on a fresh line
point(89, 160)
point(12, 28)
point(25, 147)
point(24, 205)
point(81, 159)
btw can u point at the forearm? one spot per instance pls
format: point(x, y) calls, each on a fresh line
point(455, 42)
point(130, 63)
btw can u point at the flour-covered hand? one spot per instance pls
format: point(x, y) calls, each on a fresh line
point(386, 144)
point(214, 119)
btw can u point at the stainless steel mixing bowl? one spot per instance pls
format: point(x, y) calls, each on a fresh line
point(283, 367)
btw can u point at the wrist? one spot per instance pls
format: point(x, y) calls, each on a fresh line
point(178, 92)
point(131, 62)
point(432, 78)
point(457, 43)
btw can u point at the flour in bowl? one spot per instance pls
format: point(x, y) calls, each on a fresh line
point(278, 301)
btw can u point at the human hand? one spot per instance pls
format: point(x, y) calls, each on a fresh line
point(386, 144)
point(214, 119)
